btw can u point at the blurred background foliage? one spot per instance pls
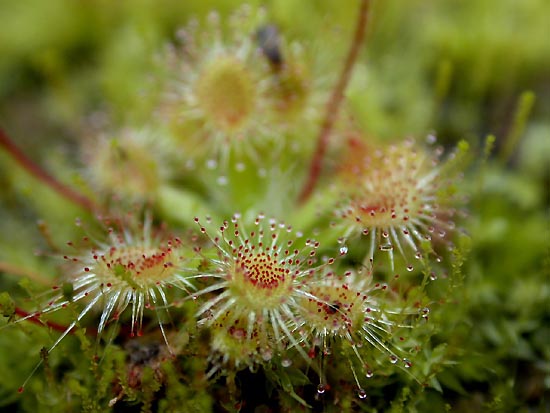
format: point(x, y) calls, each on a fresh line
point(462, 69)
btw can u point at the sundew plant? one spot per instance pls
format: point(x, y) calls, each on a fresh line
point(274, 206)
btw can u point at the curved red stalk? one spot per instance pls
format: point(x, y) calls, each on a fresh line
point(334, 103)
point(36, 320)
point(38, 172)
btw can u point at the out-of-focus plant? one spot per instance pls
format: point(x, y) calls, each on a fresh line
point(246, 237)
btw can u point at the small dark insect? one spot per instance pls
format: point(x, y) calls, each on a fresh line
point(332, 308)
point(270, 43)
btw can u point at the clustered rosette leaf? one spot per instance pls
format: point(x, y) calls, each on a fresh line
point(395, 196)
point(129, 165)
point(239, 87)
point(216, 96)
point(133, 268)
point(261, 291)
point(267, 296)
point(258, 275)
point(359, 317)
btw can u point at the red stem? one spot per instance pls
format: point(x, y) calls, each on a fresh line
point(36, 319)
point(32, 168)
point(334, 103)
